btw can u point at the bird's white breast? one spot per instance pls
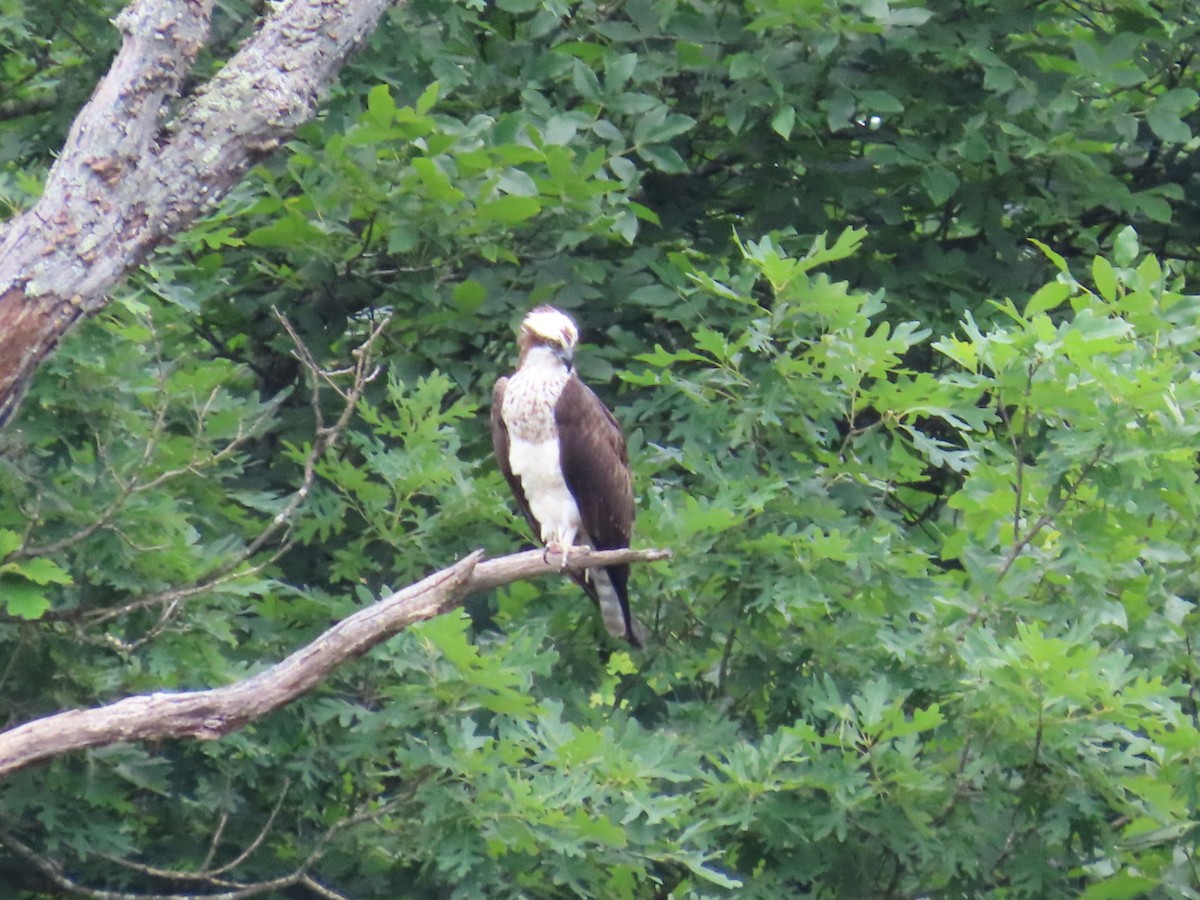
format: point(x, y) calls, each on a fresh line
point(534, 453)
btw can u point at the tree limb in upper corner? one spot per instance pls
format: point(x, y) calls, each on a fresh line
point(210, 714)
point(128, 178)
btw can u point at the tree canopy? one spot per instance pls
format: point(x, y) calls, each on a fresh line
point(894, 300)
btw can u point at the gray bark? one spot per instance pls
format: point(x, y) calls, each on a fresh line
point(129, 176)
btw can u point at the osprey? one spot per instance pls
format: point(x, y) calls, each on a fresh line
point(563, 455)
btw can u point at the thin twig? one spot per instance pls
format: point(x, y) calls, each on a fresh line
point(208, 873)
point(1046, 518)
point(326, 438)
point(53, 870)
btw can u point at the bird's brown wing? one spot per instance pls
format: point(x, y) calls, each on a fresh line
point(595, 466)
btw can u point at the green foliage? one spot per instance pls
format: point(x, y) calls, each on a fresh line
point(893, 302)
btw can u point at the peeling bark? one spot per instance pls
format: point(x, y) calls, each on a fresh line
point(128, 177)
point(210, 714)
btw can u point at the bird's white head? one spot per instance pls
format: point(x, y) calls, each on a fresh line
point(548, 333)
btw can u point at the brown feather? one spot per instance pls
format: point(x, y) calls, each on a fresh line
point(595, 466)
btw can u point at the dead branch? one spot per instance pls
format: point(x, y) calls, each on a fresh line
point(55, 873)
point(210, 714)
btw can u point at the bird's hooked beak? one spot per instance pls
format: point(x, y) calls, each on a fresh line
point(566, 354)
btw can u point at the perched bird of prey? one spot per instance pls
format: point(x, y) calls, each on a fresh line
point(564, 457)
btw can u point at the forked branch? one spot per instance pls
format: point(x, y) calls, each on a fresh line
point(133, 173)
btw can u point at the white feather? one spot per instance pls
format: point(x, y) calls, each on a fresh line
point(533, 452)
point(552, 323)
point(552, 505)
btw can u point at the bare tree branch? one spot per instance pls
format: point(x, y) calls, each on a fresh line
point(210, 714)
point(128, 177)
point(53, 870)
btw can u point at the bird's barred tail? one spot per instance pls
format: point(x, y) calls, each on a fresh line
point(618, 620)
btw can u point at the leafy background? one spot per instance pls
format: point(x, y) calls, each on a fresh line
point(892, 300)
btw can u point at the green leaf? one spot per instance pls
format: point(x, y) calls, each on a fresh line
point(509, 209)
point(661, 358)
point(586, 82)
point(659, 126)
point(1125, 246)
point(291, 230)
point(1046, 298)
point(428, 98)
point(1156, 207)
point(645, 214)
point(599, 830)
point(665, 159)
point(468, 296)
point(962, 352)
point(783, 121)
point(619, 69)
point(1149, 273)
point(627, 226)
point(38, 570)
point(708, 873)
point(1120, 886)
point(624, 169)
point(381, 107)
point(820, 254)
point(655, 295)
point(560, 130)
point(1165, 115)
point(607, 131)
point(691, 54)
point(940, 183)
point(436, 182)
point(588, 51)
point(701, 515)
point(22, 599)
point(1055, 258)
point(9, 541)
point(1105, 278)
